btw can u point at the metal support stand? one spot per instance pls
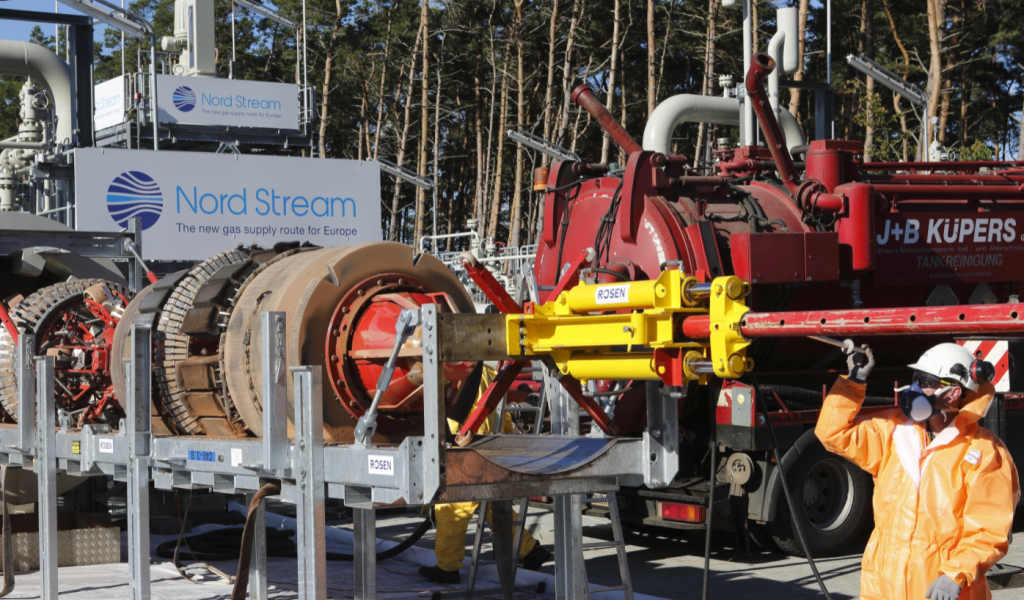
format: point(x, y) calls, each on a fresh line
point(571, 573)
point(364, 549)
point(275, 392)
point(258, 558)
point(661, 438)
point(46, 473)
point(136, 272)
point(435, 425)
point(137, 429)
point(309, 506)
point(412, 472)
point(27, 393)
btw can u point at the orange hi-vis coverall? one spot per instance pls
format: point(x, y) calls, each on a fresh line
point(453, 519)
point(944, 507)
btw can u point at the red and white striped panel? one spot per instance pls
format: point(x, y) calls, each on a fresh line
point(996, 352)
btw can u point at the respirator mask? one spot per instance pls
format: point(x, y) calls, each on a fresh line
point(919, 407)
point(915, 404)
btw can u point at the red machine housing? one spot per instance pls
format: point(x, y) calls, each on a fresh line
point(847, 234)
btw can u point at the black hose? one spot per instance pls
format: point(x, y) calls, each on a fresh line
point(785, 486)
point(225, 544)
point(622, 276)
point(803, 397)
point(711, 504)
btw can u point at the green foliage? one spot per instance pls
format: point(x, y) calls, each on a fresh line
point(888, 139)
point(473, 42)
point(976, 151)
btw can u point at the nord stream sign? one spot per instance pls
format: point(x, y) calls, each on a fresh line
point(208, 101)
point(193, 204)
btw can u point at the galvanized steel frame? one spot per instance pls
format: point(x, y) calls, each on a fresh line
point(309, 470)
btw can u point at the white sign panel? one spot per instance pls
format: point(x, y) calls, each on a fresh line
point(108, 99)
point(213, 101)
point(381, 465)
point(193, 205)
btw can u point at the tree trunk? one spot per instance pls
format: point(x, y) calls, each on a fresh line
point(756, 22)
point(437, 149)
point(709, 74)
point(947, 87)
point(622, 85)
point(651, 100)
point(664, 49)
point(515, 219)
point(495, 218)
point(325, 93)
point(478, 126)
point(563, 119)
point(935, 20)
point(867, 47)
point(383, 79)
point(403, 143)
point(273, 50)
point(906, 70)
point(549, 92)
point(484, 225)
point(576, 123)
point(424, 119)
point(364, 106)
point(794, 93)
point(610, 102)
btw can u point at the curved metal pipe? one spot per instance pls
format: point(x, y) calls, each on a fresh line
point(783, 48)
point(691, 108)
point(31, 60)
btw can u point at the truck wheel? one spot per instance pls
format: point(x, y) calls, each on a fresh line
point(836, 506)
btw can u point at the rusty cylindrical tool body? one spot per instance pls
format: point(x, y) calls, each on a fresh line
point(584, 97)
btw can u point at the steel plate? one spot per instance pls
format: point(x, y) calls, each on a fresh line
point(540, 455)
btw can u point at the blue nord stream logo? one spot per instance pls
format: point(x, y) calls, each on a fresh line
point(135, 194)
point(184, 98)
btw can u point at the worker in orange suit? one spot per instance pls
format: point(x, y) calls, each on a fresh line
point(453, 519)
point(945, 487)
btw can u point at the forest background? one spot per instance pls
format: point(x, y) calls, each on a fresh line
point(435, 86)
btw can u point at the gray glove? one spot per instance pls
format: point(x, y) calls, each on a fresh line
point(943, 588)
point(860, 364)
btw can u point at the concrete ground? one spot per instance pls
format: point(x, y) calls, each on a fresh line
point(670, 564)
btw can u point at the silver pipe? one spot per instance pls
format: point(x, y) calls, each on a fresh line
point(24, 145)
point(50, 71)
point(700, 289)
point(701, 367)
point(692, 108)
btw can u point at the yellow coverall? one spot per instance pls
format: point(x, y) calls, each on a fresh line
point(944, 507)
point(453, 519)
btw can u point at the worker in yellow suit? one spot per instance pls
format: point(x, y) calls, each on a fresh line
point(453, 519)
point(945, 488)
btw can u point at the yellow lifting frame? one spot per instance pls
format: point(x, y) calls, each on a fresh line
point(588, 341)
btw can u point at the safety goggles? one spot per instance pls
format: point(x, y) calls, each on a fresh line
point(931, 382)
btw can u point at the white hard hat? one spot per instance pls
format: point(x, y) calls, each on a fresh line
point(940, 361)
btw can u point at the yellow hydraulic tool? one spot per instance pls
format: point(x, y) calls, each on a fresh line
point(637, 330)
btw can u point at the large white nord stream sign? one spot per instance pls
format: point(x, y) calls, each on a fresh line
point(193, 205)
